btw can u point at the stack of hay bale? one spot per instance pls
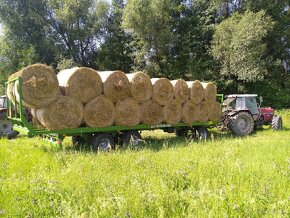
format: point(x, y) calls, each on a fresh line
point(83, 96)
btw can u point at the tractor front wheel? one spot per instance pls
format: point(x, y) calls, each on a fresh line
point(277, 123)
point(241, 124)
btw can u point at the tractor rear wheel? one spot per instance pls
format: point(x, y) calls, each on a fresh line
point(241, 124)
point(277, 123)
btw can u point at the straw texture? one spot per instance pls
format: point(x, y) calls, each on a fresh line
point(163, 91)
point(81, 83)
point(116, 85)
point(140, 86)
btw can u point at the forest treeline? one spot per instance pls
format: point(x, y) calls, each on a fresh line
point(241, 45)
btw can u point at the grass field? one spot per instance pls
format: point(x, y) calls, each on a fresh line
point(165, 177)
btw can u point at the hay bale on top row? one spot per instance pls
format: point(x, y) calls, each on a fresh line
point(140, 86)
point(163, 91)
point(210, 92)
point(39, 86)
point(181, 91)
point(116, 85)
point(128, 112)
point(81, 83)
point(65, 112)
point(196, 91)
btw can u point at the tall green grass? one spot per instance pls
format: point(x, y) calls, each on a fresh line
point(165, 177)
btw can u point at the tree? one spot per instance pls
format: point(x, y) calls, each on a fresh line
point(238, 45)
point(116, 51)
point(149, 21)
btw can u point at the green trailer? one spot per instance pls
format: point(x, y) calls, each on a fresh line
point(100, 138)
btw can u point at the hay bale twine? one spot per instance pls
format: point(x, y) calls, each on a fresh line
point(152, 113)
point(210, 91)
point(181, 91)
point(128, 112)
point(172, 112)
point(81, 83)
point(140, 86)
point(189, 112)
point(203, 111)
point(116, 85)
point(65, 112)
point(100, 112)
point(196, 91)
point(163, 91)
point(216, 112)
point(39, 85)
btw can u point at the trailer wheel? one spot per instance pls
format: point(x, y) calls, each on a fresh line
point(78, 140)
point(200, 133)
point(131, 138)
point(103, 142)
point(181, 132)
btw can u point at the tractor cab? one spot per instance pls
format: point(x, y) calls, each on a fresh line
point(237, 103)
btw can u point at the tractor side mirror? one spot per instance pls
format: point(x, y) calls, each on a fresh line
point(261, 99)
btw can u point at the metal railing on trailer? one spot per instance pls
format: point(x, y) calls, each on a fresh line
point(15, 113)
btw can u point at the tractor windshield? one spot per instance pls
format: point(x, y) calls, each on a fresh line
point(230, 103)
point(251, 104)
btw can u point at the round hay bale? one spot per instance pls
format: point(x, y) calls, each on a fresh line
point(181, 91)
point(190, 112)
point(203, 112)
point(128, 112)
point(216, 113)
point(140, 86)
point(81, 83)
point(100, 112)
point(152, 113)
point(39, 85)
point(196, 91)
point(163, 91)
point(65, 112)
point(172, 112)
point(210, 91)
point(115, 84)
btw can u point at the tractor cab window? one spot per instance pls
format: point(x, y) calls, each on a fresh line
point(251, 104)
point(230, 103)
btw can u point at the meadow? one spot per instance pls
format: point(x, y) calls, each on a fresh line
point(166, 176)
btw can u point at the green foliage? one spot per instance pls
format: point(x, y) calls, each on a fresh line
point(239, 47)
point(115, 53)
point(166, 177)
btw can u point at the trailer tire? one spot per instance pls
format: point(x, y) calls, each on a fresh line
point(78, 140)
point(131, 138)
point(181, 132)
point(201, 133)
point(103, 142)
point(277, 123)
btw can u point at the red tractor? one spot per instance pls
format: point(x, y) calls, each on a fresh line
point(6, 127)
point(242, 113)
